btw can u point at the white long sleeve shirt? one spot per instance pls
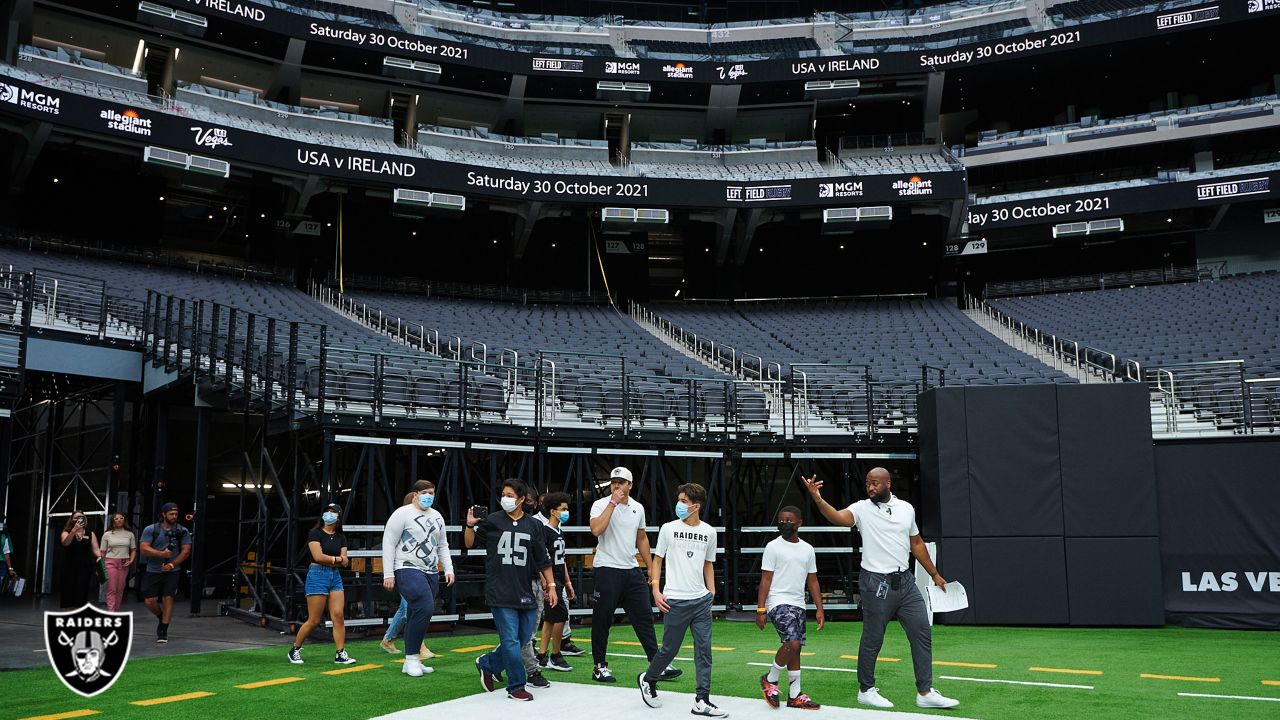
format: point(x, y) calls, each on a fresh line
point(416, 539)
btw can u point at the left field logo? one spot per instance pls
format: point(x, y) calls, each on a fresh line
point(88, 648)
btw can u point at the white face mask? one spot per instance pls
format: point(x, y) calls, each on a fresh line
point(509, 504)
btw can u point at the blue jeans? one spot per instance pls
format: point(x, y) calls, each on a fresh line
point(419, 590)
point(397, 621)
point(515, 627)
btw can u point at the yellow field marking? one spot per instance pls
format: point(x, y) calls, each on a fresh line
point(1179, 677)
point(713, 647)
point(65, 715)
point(1065, 671)
point(883, 659)
point(775, 652)
point(1271, 682)
point(357, 668)
point(627, 642)
point(269, 683)
point(171, 699)
point(945, 663)
point(474, 648)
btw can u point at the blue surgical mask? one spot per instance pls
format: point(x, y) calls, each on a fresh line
point(564, 516)
point(682, 510)
point(329, 518)
point(426, 501)
point(509, 504)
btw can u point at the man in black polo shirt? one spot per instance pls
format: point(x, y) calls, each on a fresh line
point(513, 542)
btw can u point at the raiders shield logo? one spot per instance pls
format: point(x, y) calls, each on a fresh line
point(689, 553)
point(88, 648)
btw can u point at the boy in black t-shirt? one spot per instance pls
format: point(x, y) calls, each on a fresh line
point(508, 537)
point(553, 619)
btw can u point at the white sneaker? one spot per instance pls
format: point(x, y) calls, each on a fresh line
point(872, 697)
point(935, 699)
point(706, 709)
point(648, 692)
point(413, 667)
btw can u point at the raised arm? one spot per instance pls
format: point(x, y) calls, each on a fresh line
point(843, 518)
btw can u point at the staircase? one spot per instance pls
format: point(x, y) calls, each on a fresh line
point(1013, 340)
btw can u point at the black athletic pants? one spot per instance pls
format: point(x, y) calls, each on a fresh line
point(630, 590)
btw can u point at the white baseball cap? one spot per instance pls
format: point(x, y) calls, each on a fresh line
point(621, 473)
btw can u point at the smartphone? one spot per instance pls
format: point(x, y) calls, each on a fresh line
point(480, 512)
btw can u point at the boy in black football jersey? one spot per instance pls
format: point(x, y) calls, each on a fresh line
point(554, 618)
point(508, 539)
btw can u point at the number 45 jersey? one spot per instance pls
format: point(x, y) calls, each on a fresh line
point(514, 550)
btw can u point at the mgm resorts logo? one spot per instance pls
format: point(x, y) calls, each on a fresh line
point(128, 121)
point(679, 71)
point(913, 186)
point(38, 101)
point(1257, 6)
point(839, 189)
point(1234, 188)
point(88, 648)
point(615, 67)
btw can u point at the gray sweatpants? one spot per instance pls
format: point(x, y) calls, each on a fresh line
point(527, 652)
point(686, 614)
point(907, 606)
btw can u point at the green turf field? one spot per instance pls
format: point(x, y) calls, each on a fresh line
point(1205, 661)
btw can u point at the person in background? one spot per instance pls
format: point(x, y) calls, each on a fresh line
point(414, 549)
point(166, 545)
point(6, 548)
point(119, 548)
point(79, 561)
point(398, 620)
point(567, 645)
point(789, 565)
point(554, 618)
point(328, 547)
point(528, 652)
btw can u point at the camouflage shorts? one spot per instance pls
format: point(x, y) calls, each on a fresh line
point(788, 620)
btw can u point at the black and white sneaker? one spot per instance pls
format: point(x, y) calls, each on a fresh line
point(603, 674)
point(568, 648)
point(648, 692)
point(537, 680)
point(704, 707)
point(671, 673)
point(542, 660)
point(162, 635)
point(557, 662)
point(295, 656)
point(342, 658)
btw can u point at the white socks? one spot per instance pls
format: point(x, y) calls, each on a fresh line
point(775, 672)
point(794, 677)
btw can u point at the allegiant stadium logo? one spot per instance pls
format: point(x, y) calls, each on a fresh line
point(913, 186)
point(128, 121)
point(679, 71)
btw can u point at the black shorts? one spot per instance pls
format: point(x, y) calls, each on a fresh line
point(559, 613)
point(162, 584)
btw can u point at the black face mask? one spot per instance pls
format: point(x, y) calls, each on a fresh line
point(531, 507)
point(787, 530)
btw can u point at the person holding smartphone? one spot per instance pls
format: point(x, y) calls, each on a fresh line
point(79, 561)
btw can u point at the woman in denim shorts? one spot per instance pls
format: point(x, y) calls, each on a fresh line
point(328, 548)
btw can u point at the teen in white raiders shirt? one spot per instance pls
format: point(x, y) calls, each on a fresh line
point(414, 548)
point(687, 548)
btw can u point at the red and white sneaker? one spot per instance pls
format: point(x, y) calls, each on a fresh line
point(802, 702)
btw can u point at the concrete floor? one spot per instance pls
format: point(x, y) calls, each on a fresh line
point(22, 632)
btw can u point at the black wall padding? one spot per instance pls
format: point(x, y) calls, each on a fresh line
point(1218, 515)
point(1019, 581)
point(1108, 462)
point(1015, 483)
point(1114, 581)
point(944, 463)
point(955, 563)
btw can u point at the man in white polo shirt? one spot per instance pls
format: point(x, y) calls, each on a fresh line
point(886, 587)
point(618, 521)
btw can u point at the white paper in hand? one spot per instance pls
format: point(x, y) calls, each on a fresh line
point(954, 598)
